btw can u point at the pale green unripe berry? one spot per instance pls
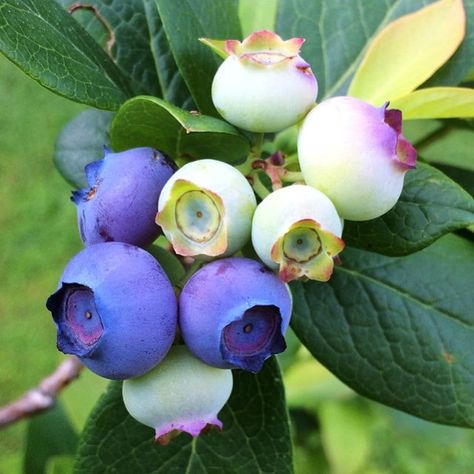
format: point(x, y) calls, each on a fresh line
point(181, 394)
point(206, 208)
point(297, 230)
point(355, 154)
point(264, 85)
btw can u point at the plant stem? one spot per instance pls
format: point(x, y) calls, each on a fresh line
point(293, 176)
point(42, 397)
point(260, 190)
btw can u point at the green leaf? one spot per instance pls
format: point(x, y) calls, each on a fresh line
point(148, 121)
point(255, 437)
point(408, 51)
point(337, 34)
point(398, 330)
point(48, 435)
point(60, 465)
point(436, 102)
point(187, 21)
point(123, 31)
point(459, 66)
point(173, 87)
point(430, 206)
point(255, 16)
point(50, 46)
point(169, 262)
point(80, 142)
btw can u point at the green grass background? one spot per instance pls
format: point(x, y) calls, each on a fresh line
point(38, 235)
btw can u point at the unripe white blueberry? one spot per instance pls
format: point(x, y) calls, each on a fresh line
point(355, 154)
point(264, 85)
point(180, 394)
point(297, 230)
point(206, 208)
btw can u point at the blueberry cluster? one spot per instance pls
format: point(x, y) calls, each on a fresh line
point(116, 309)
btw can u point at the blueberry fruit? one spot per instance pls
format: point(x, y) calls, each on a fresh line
point(115, 309)
point(120, 203)
point(234, 312)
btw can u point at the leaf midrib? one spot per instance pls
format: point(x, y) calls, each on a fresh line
point(403, 294)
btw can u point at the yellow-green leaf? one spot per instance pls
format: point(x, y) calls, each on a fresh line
point(436, 102)
point(218, 46)
point(408, 51)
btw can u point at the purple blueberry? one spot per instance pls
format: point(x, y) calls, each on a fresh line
point(233, 313)
point(120, 203)
point(115, 309)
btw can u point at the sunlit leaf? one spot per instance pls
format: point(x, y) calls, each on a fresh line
point(408, 51)
point(436, 102)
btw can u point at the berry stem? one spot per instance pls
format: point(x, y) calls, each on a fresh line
point(293, 177)
point(260, 190)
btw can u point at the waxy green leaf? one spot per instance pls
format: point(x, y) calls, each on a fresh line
point(173, 87)
point(255, 437)
point(398, 330)
point(430, 206)
point(148, 121)
point(49, 45)
point(122, 29)
point(80, 142)
point(184, 23)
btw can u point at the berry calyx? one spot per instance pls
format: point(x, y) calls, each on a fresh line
point(206, 208)
point(297, 230)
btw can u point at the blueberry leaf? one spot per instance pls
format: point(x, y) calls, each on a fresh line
point(149, 121)
point(80, 142)
point(337, 34)
point(122, 29)
point(173, 87)
point(48, 435)
point(184, 23)
point(398, 330)
point(51, 47)
point(255, 437)
point(430, 206)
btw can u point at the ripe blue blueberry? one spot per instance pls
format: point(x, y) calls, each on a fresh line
point(233, 313)
point(115, 309)
point(120, 203)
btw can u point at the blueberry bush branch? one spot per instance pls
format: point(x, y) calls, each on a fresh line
point(42, 397)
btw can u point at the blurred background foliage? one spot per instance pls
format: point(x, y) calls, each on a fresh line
point(335, 430)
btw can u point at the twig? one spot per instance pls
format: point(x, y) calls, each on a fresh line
point(43, 396)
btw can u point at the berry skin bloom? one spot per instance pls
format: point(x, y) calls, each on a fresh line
point(120, 204)
point(206, 208)
point(355, 154)
point(115, 309)
point(233, 313)
point(179, 395)
point(297, 230)
point(264, 85)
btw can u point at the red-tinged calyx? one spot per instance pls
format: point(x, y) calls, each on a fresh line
point(164, 434)
point(306, 251)
point(193, 220)
point(264, 48)
point(405, 153)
